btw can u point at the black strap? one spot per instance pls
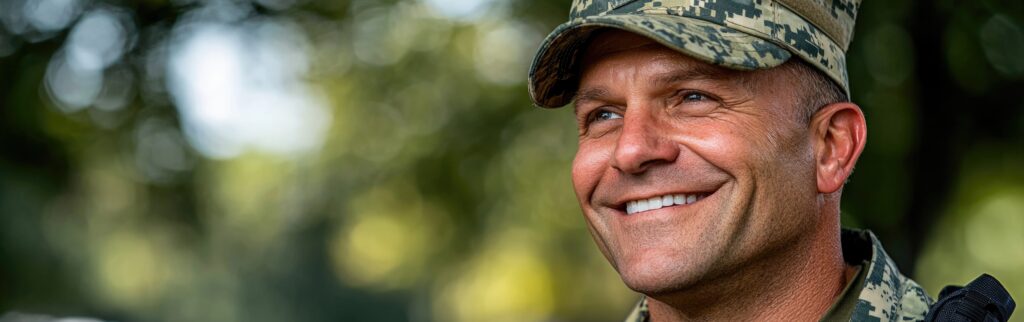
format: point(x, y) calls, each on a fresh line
point(982, 300)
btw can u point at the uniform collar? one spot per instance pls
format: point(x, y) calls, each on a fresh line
point(881, 291)
point(885, 293)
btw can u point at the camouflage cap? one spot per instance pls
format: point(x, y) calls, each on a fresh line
point(737, 34)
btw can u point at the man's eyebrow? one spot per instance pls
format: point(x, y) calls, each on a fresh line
point(590, 94)
point(692, 72)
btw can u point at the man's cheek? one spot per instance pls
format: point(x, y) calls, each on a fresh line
point(713, 141)
point(587, 168)
point(722, 151)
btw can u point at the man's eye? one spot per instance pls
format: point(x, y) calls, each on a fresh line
point(596, 120)
point(694, 97)
point(606, 115)
point(692, 102)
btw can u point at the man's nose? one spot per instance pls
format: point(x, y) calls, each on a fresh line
point(641, 144)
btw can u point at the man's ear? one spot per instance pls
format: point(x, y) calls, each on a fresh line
point(840, 132)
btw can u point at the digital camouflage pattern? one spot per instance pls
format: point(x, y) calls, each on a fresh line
point(886, 294)
point(737, 34)
point(883, 293)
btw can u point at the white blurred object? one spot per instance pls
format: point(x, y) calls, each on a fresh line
point(99, 39)
point(50, 15)
point(241, 86)
point(72, 87)
point(24, 317)
point(75, 75)
point(465, 10)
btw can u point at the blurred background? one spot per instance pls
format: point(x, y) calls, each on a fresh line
point(368, 160)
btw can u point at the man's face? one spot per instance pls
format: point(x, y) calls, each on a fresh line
point(723, 152)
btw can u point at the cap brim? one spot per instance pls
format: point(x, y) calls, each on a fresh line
point(553, 79)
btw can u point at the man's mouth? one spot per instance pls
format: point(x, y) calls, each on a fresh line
point(670, 200)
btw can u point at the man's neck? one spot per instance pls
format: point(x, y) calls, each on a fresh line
point(797, 285)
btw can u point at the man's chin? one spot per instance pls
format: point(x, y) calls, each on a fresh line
point(659, 277)
point(655, 287)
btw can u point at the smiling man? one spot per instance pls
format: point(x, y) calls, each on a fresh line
point(715, 137)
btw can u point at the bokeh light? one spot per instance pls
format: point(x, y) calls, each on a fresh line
point(238, 87)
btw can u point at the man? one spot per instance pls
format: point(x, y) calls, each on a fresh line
point(715, 137)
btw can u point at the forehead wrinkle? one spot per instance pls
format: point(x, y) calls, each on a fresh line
point(691, 71)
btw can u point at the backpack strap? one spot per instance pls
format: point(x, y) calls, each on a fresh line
point(982, 300)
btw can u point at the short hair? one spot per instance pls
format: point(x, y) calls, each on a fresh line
point(818, 90)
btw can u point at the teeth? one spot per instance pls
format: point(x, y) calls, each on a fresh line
point(652, 203)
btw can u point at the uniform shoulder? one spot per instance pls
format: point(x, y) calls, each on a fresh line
point(887, 294)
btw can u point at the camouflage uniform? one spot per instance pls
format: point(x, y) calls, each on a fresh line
point(879, 292)
point(741, 35)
